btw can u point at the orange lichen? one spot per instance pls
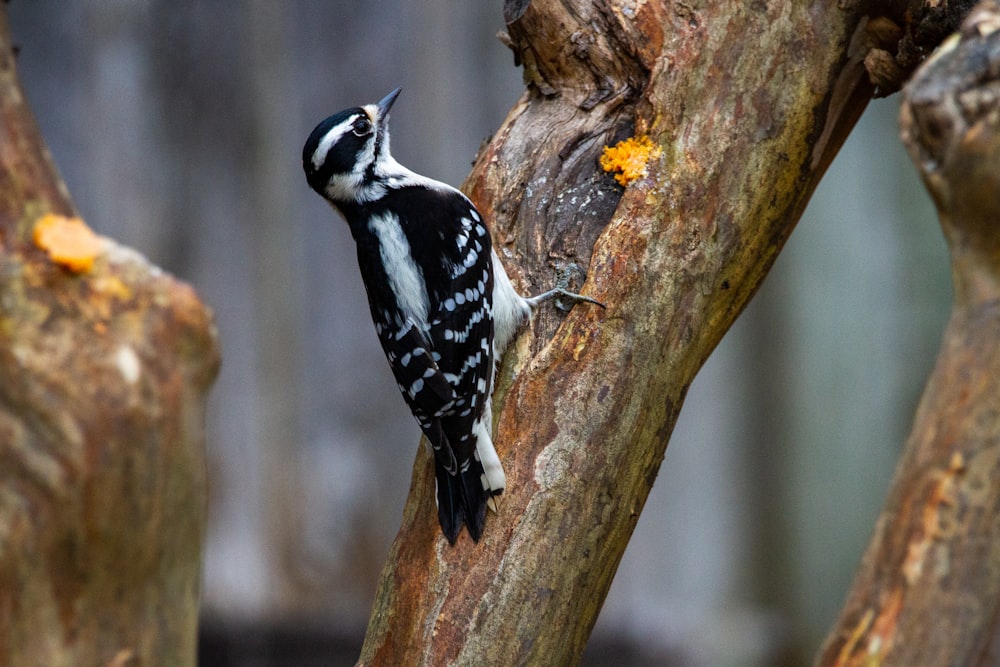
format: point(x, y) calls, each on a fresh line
point(629, 158)
point(68, 241)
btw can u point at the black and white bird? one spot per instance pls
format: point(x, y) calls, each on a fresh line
point(443, 306)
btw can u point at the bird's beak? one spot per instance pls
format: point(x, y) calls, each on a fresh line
point(386, 103)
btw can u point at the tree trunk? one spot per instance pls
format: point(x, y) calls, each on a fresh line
point(104, 366)
point(928, 591)
point(746, 104)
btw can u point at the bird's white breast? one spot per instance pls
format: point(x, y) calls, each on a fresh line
point(405, 278)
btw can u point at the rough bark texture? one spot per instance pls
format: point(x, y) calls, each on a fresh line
point(928, 591)
point(744, 134)
point(747, 102)
point(103, 376)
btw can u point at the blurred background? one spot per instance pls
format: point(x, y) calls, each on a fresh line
point(178, 127)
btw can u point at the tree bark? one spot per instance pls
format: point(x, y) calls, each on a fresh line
point(747, 103)
point(103, 377)
point(928, 590)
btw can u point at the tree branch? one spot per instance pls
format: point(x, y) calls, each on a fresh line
point(928, 591)
point(747, 104)
point(104, 369)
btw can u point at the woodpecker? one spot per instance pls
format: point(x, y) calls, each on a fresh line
point(443, 307)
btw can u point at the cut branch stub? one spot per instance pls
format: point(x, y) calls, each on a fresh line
point(104, 368)
point(592, 52)
point(949, 123)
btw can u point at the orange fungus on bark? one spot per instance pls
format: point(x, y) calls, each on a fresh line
point(68, 241)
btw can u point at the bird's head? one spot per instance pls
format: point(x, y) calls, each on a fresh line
point(345, 154)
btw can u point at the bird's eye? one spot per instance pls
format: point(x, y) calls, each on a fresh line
point(362, 127)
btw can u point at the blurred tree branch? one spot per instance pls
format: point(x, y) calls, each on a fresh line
point(103, 377)
point(748, 103)
point(928, 591)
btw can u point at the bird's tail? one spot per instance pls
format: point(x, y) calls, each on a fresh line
point(464, 495)
point(461, 500)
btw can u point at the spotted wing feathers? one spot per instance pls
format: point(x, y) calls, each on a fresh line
point(444, 364)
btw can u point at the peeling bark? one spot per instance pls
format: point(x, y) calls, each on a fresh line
point(928, 590)
point(103, 377)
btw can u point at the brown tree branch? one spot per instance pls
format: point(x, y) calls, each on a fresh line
point(747, 102)
point(103, 376)
point(928, 591)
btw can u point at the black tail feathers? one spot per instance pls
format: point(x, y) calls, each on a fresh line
point(461, 499)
